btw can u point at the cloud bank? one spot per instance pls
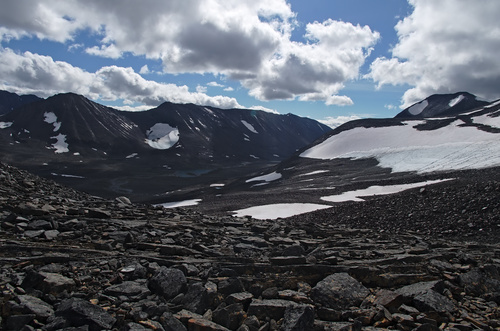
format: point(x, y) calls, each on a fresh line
point(29, 73)
point(249, 41)
point(444, 47)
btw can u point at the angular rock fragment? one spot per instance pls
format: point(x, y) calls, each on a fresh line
point(339, 291)
point(79, 312)
point(167, 282)
point(298, 318)
point(128, 289)
point(273, 309)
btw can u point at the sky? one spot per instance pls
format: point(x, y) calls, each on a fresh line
point(330, 60)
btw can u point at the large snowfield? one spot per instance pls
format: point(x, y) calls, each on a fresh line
point(404, 148)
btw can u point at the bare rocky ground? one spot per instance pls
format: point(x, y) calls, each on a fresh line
point(72, 261)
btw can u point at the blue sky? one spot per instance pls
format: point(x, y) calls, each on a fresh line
point(331, 60)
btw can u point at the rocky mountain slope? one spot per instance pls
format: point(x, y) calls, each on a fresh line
point(70, 260)
point(100, 150)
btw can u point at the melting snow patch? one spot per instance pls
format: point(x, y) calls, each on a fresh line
point(249, 126)
point(175, 204)
point(162, 136)
point(455, 101)
point(377, 190)
point(217, 185)
point(268, 178)
point(131, 155)
point(418, 108)
point(5, 125)
point(60, 146)
point(279, 210)
point(51, 118)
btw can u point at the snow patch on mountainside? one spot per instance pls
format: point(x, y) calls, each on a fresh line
point(404, 148)
point(162, 136)
point(5, 125)
point(377, 190)
point(51, 118)
point(279, 210)
point(488, 120)
point(418, 108)
point(456, 101)
point(175, 204)
point(267, 178)
point(249, 126)
point(60, 146)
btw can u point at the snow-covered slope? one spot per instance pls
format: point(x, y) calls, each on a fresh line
point(466, 142)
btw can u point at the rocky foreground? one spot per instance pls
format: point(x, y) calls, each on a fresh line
point(75, 262)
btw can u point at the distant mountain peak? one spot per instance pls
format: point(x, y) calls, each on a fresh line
point(442, 105)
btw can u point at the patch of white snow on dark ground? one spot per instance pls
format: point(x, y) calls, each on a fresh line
point(279, 210)
point(268, 178)
point(418, 108)
point(487, 120)
point(456, 101)
point(249, 126)
point(175, 204)
point(60, 146)
point(51, 118)
point(377, 190)
point(5, 125)
point(162, 136)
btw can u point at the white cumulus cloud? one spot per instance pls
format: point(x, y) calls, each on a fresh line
point(244, 40)
point(334, 122)
point(445, 46)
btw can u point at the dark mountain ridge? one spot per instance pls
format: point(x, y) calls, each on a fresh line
point(9, 101)
point(442, 105)
point(108, 152)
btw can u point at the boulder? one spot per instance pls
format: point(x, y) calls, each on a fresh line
point(339, 291)
point(298, 318)
point(167, 282)
point(79, 312)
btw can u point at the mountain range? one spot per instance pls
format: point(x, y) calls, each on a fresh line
point(227, 161)
point(174, 146)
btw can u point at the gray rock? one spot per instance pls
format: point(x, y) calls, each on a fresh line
point(79, 312)
point(168, 282)
point(230, 285)
point(229, 316)
point(433, 301)
point(298, 318)
point(134, 271)
point(128, 289)
point(339, 291)
point(170, 323)
point(39, 225)
point(55, 283)
point(273, 309)
point(51, 234)
point(200, 297)
point(27, 304)
point(477, 283)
